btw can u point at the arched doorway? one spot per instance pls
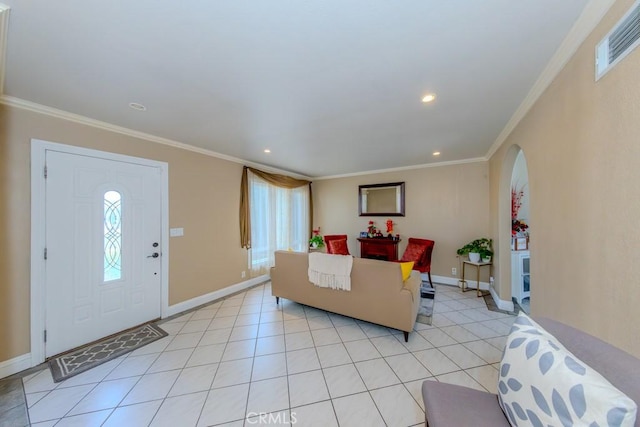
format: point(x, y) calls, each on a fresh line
point(504, 242)
point(520, 256)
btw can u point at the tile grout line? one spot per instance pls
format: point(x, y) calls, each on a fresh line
point(253, 361)
point(206, 398)
point(366, 338)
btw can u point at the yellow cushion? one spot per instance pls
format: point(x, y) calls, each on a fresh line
point(406, 268)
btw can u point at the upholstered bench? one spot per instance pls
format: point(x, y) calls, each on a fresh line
point(451, 405)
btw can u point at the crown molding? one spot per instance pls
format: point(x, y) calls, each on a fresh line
point(404, 168)
point(591, 15)
point(4, 30)
point(76, 118)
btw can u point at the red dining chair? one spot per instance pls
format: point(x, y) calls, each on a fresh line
point(419, 251)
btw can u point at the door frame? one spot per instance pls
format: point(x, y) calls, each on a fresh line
point(38, 236)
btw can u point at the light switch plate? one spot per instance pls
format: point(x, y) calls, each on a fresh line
point(176, 232)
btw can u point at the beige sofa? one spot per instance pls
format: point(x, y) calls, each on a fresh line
point(378, 294)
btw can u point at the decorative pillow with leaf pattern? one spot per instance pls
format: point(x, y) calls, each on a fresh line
point(541, 383)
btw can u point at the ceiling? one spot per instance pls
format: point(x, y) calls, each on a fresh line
point(331, 87)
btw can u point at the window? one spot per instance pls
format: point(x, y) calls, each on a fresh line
point(279, 221)
point(112, 236)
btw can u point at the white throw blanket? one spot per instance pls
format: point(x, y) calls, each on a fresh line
point(330, 271)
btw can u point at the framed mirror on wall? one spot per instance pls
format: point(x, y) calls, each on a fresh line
point(381, 199)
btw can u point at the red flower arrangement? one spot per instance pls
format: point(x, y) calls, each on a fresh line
point(517, 225)
point(516, 201)
point(372, 228)
point(389, 226)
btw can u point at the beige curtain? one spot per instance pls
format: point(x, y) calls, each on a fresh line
point(274, 179)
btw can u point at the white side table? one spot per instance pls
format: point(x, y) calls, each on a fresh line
point(478, 266)
point(520, 275)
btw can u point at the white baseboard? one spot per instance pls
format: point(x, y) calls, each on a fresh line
point(440, 279)
point(15, 365)
point(500, 303)
point(484, 286)
point(212, 296)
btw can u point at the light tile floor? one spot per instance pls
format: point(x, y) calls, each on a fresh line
point(247, 361)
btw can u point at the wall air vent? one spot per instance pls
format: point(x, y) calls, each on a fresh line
point(620, 41)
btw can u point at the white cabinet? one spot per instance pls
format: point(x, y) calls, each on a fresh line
point(520, 275)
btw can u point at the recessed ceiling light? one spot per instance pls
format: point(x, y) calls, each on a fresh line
point(436, 153)
point(429, 97)
point(137, 106)
point(266, 150)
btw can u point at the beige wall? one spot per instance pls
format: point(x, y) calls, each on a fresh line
point(582, 145)
point(447, 204)
point(204, 199)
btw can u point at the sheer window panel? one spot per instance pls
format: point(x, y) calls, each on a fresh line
point(279, 221)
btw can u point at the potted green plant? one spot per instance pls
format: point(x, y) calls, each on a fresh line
point(316, 241)
point(477, 249)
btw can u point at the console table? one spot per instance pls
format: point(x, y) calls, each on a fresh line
point(382, 248)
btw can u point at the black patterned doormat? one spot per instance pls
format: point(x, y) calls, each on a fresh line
point(84, 358)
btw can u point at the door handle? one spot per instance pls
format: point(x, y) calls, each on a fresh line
point(154, 255)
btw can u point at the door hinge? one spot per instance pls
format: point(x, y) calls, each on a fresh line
point(45, 171)
point(45, 335)
point(45, 253)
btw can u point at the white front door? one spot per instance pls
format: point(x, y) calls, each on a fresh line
point(103, 248)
